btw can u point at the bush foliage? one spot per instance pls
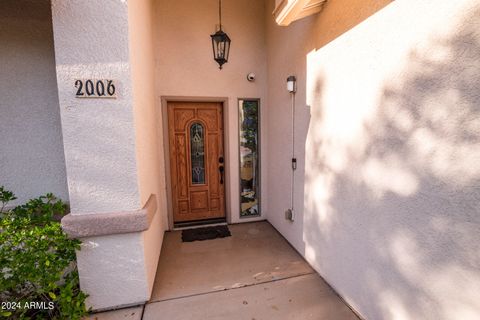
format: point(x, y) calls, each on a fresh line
point(38, 274)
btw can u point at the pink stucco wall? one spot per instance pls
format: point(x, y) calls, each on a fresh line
point(388, 132)
point(149, 151)
point(185, 67)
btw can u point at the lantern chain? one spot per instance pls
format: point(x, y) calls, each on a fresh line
point(220, 13)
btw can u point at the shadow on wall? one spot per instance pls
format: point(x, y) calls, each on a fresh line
point(392, 220)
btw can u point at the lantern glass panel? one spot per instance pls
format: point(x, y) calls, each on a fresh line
point(227, 48)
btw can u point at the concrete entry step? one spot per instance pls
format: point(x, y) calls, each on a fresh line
point(303, 297)
point(252, 275)
point(255, 253)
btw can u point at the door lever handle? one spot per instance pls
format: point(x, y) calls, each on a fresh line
point(221, 169)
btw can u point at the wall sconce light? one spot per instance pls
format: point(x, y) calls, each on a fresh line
point(220, 41)
point(292, 84)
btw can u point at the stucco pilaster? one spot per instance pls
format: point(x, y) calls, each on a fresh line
point(92, 42)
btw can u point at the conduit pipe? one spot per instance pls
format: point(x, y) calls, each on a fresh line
point(292, 88)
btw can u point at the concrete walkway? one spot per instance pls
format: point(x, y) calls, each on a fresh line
point(254, 275)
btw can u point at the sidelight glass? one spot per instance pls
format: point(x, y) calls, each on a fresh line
point(249, 116)
point(197, 153)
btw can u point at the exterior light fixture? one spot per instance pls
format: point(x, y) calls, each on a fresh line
point(292, 84)
point(220, 41)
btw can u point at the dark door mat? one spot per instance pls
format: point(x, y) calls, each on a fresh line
point(207, 233)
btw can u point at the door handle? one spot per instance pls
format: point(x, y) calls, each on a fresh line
point(221, 169)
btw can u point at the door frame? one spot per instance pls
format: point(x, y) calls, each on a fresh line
point(166, 148)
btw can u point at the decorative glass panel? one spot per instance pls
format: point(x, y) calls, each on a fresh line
point(249, 158)
point(197, 153)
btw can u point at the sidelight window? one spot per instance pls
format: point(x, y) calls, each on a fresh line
point(249, 157)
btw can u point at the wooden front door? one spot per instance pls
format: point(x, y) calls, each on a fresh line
point(196, 160)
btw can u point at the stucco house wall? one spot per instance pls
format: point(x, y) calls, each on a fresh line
point(388, 135)
point(185, 67)
point(149, 150)
point(32, 162)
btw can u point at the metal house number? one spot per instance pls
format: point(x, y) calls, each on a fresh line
point(91, 88)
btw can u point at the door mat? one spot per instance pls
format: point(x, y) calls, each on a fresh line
point(207, 233)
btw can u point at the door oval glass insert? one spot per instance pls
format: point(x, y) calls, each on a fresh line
point(197, 153)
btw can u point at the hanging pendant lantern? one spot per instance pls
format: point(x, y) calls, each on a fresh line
point(220, 41)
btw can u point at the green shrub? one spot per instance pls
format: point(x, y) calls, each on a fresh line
point(38, 274)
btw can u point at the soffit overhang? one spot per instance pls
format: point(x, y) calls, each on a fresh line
point(288, 11)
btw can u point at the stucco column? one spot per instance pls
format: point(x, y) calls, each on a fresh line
point(91, 42)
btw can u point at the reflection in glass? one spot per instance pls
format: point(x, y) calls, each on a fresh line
point(249, 158)
point(197, 152)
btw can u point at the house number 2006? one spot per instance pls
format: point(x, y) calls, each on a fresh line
point(90, 88)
